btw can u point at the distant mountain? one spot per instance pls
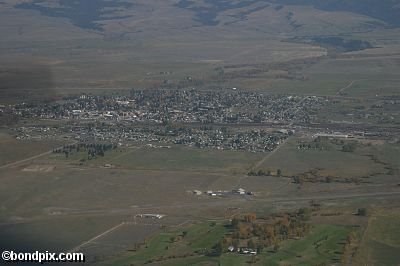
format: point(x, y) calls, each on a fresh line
point(208, 10)
point(154, 43)
point(95, 14)
point(83, 13)
point(385, 10)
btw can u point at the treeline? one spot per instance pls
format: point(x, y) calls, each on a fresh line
point(314, 176)
point(341, 44)
point(257, 234)
point(350, 248)
point(319, 143)
point(325, 143)
point(262, 172)
point(93, 149)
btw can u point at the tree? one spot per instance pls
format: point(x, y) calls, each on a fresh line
point(362, 212)
point(243, 230)
point(219, 248)
point(349, 147)
point(250, 217)
point(276, 246)
point(305, 213)
point(251, 244)
point(279, 172)
point(260, 172)
point(260, 247)
point(235, 222)
point(236, 242)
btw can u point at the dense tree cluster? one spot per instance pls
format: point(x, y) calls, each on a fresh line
point(315, 176)
point(262, 172)
point(93, 149)
point(257, 234)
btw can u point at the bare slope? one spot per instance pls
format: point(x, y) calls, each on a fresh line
point(153, 43)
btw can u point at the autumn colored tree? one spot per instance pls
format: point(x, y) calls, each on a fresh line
point(235, 222)
point(250, 217)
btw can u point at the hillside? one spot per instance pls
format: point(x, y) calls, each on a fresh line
point(127, 17)
point(153, 43)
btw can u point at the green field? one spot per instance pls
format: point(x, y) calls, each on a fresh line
point(199, 237)
point(332, 161)
point(322, 245)
point(177, 158)
point(381, 245)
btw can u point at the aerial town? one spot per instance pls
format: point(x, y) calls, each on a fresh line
point(200, 132)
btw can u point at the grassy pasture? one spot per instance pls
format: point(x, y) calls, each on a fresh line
point(360, 111)
point(293, 161)
point(69, 190)
point(13, 150)
point(322, 245)
point(122, 239)
point(56, 233)
point(381, 245)
point(372, 88)
point(372, 74)
point(172, 243)
point(177, 158)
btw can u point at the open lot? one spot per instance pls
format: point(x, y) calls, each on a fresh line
point(89, 199)
point(13, 150)
point(331, 161)
point(53, 233)
point(175, 158)
point(380, 243)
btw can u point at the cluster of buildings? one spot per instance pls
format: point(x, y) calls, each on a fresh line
point(244, 251)
point(150, 216)
point(221, 193)
point(179, 106)
point(251, 140)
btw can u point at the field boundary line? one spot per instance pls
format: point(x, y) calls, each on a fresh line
point(97, 237)
point(346, 87)
point(32, 157)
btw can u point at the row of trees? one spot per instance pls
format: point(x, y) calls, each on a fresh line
point(349, 248)
point(93, 149)
point(262, 172)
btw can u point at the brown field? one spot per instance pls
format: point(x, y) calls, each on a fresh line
point(35, 203)
point(13, 150)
